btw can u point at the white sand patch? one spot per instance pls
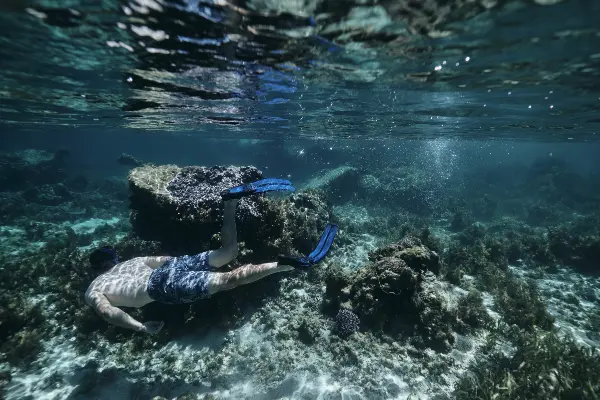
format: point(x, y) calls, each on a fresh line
point(352, 214)
point(353, 257)
point(55, 376)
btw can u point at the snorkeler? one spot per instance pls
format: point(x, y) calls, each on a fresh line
point(185, 279)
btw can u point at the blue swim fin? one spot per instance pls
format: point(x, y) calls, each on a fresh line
point(325, 243)
point(302, 262)
point(317, 254)
point(271, 185)
point(260, 186)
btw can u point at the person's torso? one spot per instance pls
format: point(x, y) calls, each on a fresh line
point(126, 284)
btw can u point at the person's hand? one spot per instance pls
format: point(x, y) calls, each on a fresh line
point(152, 327)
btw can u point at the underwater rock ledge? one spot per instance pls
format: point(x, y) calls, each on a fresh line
point(399, 294)
point(182, 209)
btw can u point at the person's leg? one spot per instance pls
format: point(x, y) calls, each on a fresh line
point(219, 281)
point(229, 245)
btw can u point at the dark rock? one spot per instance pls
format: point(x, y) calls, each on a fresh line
point(397, 293)
point(182, 208)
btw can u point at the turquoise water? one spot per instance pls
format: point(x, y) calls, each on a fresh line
point(453, 143)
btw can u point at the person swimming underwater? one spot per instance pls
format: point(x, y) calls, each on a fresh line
point(186, 279)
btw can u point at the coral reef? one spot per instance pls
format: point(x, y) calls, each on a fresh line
point(37, 188)
point(397, 294)
point(338, 320)
point(346, 323)
point(30, 168)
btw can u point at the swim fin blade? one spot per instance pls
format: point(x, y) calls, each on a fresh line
point(260, 186)
point(324, 244)
point(317, 254)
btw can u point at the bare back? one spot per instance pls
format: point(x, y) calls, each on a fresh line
point(125, 285)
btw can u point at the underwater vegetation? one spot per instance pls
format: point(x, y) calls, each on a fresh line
point(443, 269)
point(544, 366)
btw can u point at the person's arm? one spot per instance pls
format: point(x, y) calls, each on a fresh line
point(118, 317)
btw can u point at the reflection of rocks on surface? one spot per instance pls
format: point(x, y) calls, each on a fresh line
point(381, 21)
point(398, 293)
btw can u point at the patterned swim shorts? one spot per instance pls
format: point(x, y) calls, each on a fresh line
point(180, 280)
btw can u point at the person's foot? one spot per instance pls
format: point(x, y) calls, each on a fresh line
point(237, 192)
point(293, 262)
point(325, 242)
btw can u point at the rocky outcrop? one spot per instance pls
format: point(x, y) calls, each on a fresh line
point(28, 168)
point(396, 294)
point(129, 160)
point(406, 188)
point(182, 209)
point(340, 184)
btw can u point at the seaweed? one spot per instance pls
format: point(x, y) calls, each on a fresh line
point(544, 366)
